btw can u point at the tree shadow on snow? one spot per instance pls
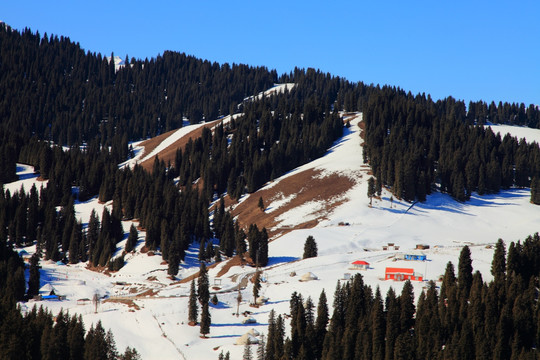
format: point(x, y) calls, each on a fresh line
point(274, 260)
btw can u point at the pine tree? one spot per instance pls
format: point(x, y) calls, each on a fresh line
point(256, 286)
point(261, 204)
point(498, 265)
point(258, 248)
point(465, 272)
point(321, 323)
point(33, 280)
point(371, 189)
point(205, 320)
point(535, 191)
point(132, 238)
point(192, 304)
point(261, 349)
point(247, 352)
point(203, 285)
point(377, 327)
point(406, 300)
point(310, 248)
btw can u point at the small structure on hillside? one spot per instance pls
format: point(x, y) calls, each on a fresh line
point(360, 265)
point(249, 320)
point(47, 289)
point(261, 300)
point(422, 246)
point(390, 246)
point(402, 274)
point(415, 256)
point(247, 339)
point(309, 276)
point(24, 255)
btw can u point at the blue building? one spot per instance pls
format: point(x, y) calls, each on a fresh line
point(416, 257)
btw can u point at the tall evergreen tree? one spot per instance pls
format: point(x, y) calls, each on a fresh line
point(465, 272)
point(192, 304)
point(205, 320)
point(498, 265)
point(33, 279)
point(310, 248)
point(203, 285)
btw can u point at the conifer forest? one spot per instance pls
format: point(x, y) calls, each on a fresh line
point(72, 116)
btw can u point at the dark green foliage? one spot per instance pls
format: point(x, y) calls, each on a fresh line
point(203, 285)
point(33, 279)
point(117, 263)
point(192, 307)
point(414, 144)
point(465, 272)
point(468, 320)
point(258, 245)
point(372, 190)
point(205, 320)
point(535, 191)
point(132, 239)
point(256, 285)
point(310, 248)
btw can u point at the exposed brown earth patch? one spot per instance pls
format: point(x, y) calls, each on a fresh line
point(169, 153)
point(196, 275)
point(130, 303)
point(234, 261)
point(301, 188)
point(306, 186)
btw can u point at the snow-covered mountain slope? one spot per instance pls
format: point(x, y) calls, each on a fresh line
point(328, 198)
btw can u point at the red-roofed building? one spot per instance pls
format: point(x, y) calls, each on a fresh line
point(402, 274)
point(360, 265)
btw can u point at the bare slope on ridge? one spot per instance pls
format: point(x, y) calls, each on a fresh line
point(308, 184)
point(315, 187)
point(169, 153)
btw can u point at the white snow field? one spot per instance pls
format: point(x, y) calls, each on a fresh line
point(148, 311)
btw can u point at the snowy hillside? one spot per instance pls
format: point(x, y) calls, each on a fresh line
point(148, 311)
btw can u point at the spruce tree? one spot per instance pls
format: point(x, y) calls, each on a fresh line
point(192, 304)
point(465, 272)
point(203, 285)
point(260, 204)
point(132, 239)
point(535, 191)
point(310, 248)
point(247, 352)
point(33, 280)
point(371, 190)
point(256, 286)
point(406, 300)
point(498, 265)
point(205, 320)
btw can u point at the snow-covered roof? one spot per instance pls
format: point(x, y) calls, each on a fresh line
point(247, 339)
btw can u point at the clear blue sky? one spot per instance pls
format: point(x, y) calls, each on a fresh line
point(471, 50)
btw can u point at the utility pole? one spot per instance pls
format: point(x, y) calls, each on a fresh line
point(238, 299)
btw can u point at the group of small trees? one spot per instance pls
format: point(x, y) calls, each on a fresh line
point(200, 293)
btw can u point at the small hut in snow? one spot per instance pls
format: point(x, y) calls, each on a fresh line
point(249, 320)
point(47, 289)
point(360, 265)
point(261, 300)
point(309, 276)
point(247, 339)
